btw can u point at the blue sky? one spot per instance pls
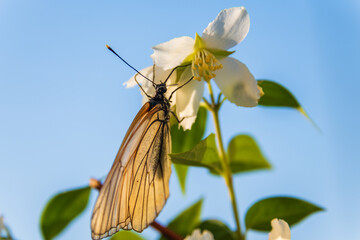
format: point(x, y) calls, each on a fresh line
point(64, 110)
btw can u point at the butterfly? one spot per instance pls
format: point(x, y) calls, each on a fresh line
point(137, 186)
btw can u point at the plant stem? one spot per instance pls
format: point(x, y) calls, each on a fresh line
point(166, 232)
point(214, 108)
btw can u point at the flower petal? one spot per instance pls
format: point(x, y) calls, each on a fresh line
point(280, 230)
point(172, 53)
point(197, 235)
point(188, 99)
point(141, 80)
point(237, 83)
point(228, 29)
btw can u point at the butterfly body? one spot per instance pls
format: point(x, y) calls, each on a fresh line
point(160, 98)
point(137, 186)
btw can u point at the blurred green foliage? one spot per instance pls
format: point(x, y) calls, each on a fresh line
point(61, 210)
point(290, 209)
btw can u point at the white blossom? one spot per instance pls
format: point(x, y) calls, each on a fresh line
point(208, 58)
point(280, 230)
point(197, 235)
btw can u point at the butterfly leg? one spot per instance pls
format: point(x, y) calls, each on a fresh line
point(177, 119)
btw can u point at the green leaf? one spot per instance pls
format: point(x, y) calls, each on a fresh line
point(245, 155)
point(276, 95)
point(181, 172)
point(61, 210)
point(219, 230)
point(186, 140)
point(126, 234)
point(186, 221)
point(292, 210)
point(204, 154)
point(220, 54)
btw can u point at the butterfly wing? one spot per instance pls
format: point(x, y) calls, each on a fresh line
point(137, 186)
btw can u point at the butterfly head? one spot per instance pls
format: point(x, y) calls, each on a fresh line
point(160, 88)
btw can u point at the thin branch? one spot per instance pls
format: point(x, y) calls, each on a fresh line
point(219, 99)
point(166, 232)
point(224, 161)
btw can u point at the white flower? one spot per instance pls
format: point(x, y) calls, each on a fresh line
point(197, 235)
point(208, 57)
point(280, 230)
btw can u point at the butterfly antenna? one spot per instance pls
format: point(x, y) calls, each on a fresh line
point(141, 86)
point(180, 87)
point(129, 64)
point(174, 70)
point(153, 82)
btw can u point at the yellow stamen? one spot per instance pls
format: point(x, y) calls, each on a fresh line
point(204, 64)
point(261, 91)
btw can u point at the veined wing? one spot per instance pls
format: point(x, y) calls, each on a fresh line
point(137, 185)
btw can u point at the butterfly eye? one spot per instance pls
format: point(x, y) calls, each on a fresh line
point(161, 88)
